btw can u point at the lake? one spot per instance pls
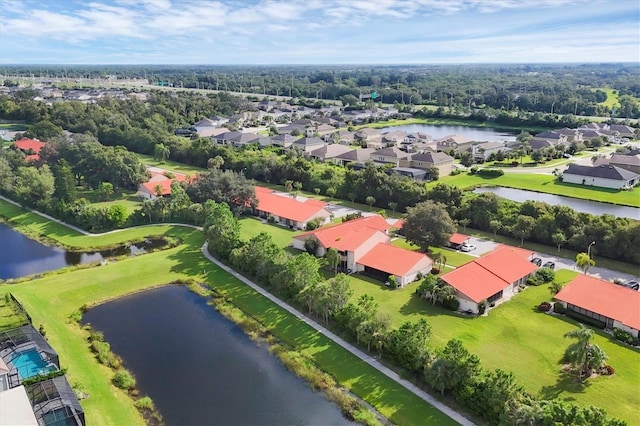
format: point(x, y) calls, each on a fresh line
point(21, 256)
point(200, 368)
point(584, 206)
point(473, 133)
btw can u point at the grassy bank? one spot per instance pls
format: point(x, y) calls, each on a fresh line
point(546, 184)
point(53, 298)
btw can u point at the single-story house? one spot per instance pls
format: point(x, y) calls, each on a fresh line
point(482, 152)
point(159, 184)
point(284, 140)
point(604, 176)
point(235, 138)
point(359, 155)
point(328, 152)
point(493, 277)
point(410, 172)
point(31, 147)
point(384, 260)
point(629, 162)
point(286, 210)
point(429, 159)
point(614, 305)
point(456, 142)
point(307, 145)
point(391, 155)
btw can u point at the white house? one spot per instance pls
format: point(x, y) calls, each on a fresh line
point(604, 176)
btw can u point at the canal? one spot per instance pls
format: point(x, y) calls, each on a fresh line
point(200, 368)
point(584, 206)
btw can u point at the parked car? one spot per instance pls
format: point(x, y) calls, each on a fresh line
point(549, 264)
point(467, 247)
point(632, 284)
point(537, 261)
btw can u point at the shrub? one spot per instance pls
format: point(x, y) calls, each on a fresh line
point(96, 336)
point(145, 403)
point(534, 280)
point(435, 271)
point(482, 307)
point(455, 172)
point(451, 304)
point(558, 308)
point(271, 219)
point(419, 276)
point(124, 380)
point(473, 170)
point(623, 336)
point(546, 275)
point(544, 307)
point(607, 370)
point(490, 172)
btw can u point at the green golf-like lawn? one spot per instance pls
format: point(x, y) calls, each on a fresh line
point(51, 299)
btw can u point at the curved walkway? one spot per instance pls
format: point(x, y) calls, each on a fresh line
point(355, 351)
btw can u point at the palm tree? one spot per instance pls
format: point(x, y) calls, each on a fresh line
point(444, 291)
point(584, 262)
point(584, 355)
point(333, 259)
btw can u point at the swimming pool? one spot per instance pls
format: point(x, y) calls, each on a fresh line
point(30, 363)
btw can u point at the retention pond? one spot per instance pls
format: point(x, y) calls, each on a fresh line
point(200, 368)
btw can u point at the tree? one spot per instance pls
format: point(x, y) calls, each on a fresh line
point(434, 173)
point(331, 192)
point(370, 200)
point(215, 163)
point(584, 262)
point(454, 367)
point(584, 356)
point(222, 230)
point(333, 259)
point(428, 224)
point(464, 222)
point(559, 239)
point(64, 182)
point(495, 225)
point(311, 245)
point(393, 206)
point(466, 159)
point(555, 287)
point(523, 227)
point(105, 190)
point(34, 186)
point(161, 152)
point(299, 272)
point(407, 344)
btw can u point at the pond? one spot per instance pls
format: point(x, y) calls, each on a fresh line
point(200, 368)
point(473, 133)
point(584, 206)
point(21, 256)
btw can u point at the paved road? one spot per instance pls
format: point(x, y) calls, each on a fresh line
point(355, 351)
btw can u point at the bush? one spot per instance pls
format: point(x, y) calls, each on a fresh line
point(490, 172)
point(534, 280)
point(435, 271)
point(473, 170)
point(558, 308)
point(455, 172)
point(452, 304)
point(271, 220)
point(607, 370)
point(544, 307)
point(623, 336)
point(482, 307)
point(585, 319)
point(145, 403)
point(546, 274)
point(124, 380)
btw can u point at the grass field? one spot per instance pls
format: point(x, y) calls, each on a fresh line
point(173, 166)
point(612, 98)
point(546, 184)
point(54, 297)
point(128, 199)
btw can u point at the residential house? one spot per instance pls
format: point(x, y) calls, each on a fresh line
point(30, 147)
point(415, 174)
point(603, 176)
point(394, 138)
point(159, 184)
point(629, 162)
point(367, 134)
point(623, 131)
point(295, 213)
point(391, 155)
point(293, 128)
point(364, 246)
point(550, 138)
point(205, 128)
point(482, 151)
point(343, 137)
point(493, 277)
point(328, 152)
point(306, 145)
point(235, 138)
point(359, 155)
point(429, 159)
point(573, 135)
point(385, 260)
point(375, 143)
point(322, 129)
point(456, 142)
point(613, 305)
point(284, 140)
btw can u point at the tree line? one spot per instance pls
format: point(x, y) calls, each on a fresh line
point(493, 395)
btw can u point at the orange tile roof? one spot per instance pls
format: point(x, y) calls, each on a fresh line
point(604, 298)
point(393, 260)
point(458, 238)
point(287, 207)
point(489, 274)
point(164, 184)
point(519, 251)
point(30, 144)
point(474, 281)
point(348, 235)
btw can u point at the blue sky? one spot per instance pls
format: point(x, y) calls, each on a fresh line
point(318, 31)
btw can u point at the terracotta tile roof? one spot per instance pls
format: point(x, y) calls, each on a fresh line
point(287, 207)
point(489, 274)
point(474, 281)
point(30, 144)
point(506, 263)
point(604, 298)
point(348, 235)
point(164, 184)
point(393, 260)
point(458, 238)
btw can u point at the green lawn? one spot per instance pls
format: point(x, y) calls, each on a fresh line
point(516, 338)
point(54, 297)
point(252, 226)
point(612, 97)
point(129, 199)
point(454, 258)
point(173, 166)
point(547, 184)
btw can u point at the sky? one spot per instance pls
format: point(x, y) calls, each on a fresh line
point(318, 31)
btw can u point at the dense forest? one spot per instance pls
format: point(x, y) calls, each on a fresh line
point(554, 88)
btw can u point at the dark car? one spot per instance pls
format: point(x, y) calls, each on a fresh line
point(632, 284)
point(549, 264)
point(537, 261)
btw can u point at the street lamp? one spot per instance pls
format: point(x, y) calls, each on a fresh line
point(589, 249)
